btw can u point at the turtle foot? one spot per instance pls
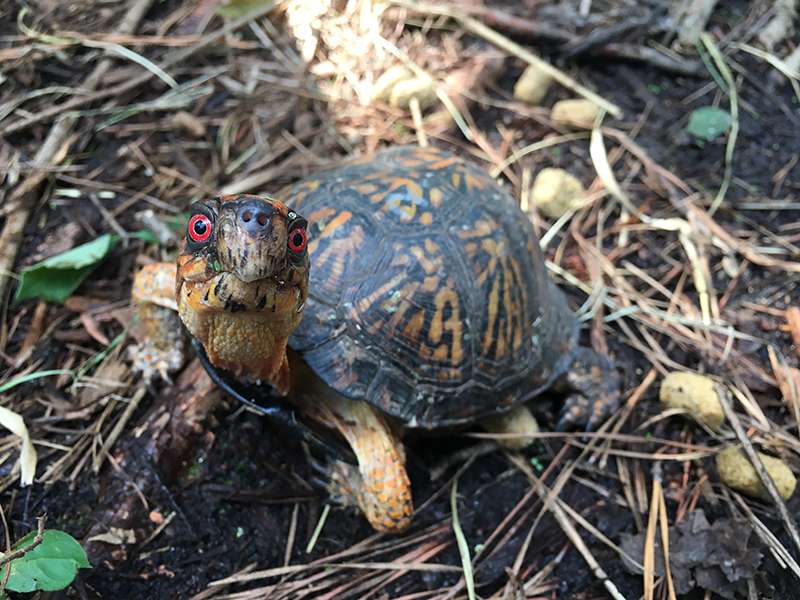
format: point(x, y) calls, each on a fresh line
point(595, 384)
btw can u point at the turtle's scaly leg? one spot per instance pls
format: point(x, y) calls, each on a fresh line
point(379, 486)
point(163, 348)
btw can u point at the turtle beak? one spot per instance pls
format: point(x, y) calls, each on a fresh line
point(252, 238)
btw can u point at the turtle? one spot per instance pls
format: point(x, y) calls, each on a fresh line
point(412, 295)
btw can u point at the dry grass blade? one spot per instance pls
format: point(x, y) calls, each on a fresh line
point(781, 554)
point(501, 41)
point(786, 69)
point(662, 514)
point(685, 231)
point(556, 506)
point(787, 381)
point(112, 48)
point(650, 546)
point(580, 545)
point(734, 104)
point(463, 547)
point(535, 147)
point(119, 427)
point(318, 528)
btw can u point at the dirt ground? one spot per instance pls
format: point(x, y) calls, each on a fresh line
point(178, 493)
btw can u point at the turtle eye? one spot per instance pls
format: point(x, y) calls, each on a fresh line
point(199, 229)
point(297, 240)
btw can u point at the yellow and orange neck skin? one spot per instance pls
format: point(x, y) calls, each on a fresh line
point(242, 283)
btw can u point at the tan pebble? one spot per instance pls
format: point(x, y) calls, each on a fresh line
point(555, 191)
point(738, 473)
point(517, 420)
point(575, 114)
point(694, 393)
point(382, 88)
point(404, 91)
point(190, 123)
point(304, 122)
point(533, 85)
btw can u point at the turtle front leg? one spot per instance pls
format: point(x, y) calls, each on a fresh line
point(594, 382)
point(379, 486)
point(163, 348)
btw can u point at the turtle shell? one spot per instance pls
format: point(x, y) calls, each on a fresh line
point(429, 296)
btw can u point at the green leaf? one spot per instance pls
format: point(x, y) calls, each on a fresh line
point(147, 236)
point(178, 221)
point(51, 566)
point(708, 122)
point(57, 277)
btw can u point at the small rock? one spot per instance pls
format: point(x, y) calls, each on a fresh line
point(694, 393)
point(404, 91)
point(397, 86)
point(517, 420)
point(190, 123)
point(575, 114)
point(738, 473)
point(304, 122)
point(555, 191)
point(533, 85)
point(382, 88)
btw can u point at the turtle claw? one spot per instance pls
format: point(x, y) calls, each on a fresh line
point(587, 413)
point(156, 363)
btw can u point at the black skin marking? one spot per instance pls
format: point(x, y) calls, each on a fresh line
point(237, 307)
point(218, 287)
point(205, 296)
point(273, 407)
point(273, 308)
point(261, 303)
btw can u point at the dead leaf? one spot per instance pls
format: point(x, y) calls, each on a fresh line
point(116, 536)
point(16, 424)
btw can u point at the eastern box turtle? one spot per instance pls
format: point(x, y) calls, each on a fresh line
point(428, 299)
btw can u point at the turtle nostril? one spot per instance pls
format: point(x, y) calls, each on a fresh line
point(246, 216)
point(262, 219)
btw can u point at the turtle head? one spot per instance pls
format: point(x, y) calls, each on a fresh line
point(248, 237)
point(242, 281)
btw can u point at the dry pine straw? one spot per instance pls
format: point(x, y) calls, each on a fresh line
point(257, 149)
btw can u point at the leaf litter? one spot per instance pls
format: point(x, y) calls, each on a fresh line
point(672, 263)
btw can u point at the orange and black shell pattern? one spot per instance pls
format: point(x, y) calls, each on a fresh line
point(428, 294)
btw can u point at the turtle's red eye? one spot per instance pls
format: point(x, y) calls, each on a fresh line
point(297, 240)
point(199, 228)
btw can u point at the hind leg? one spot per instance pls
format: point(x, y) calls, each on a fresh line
point(594, 384)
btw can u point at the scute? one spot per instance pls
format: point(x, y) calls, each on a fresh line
point(429, 295)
